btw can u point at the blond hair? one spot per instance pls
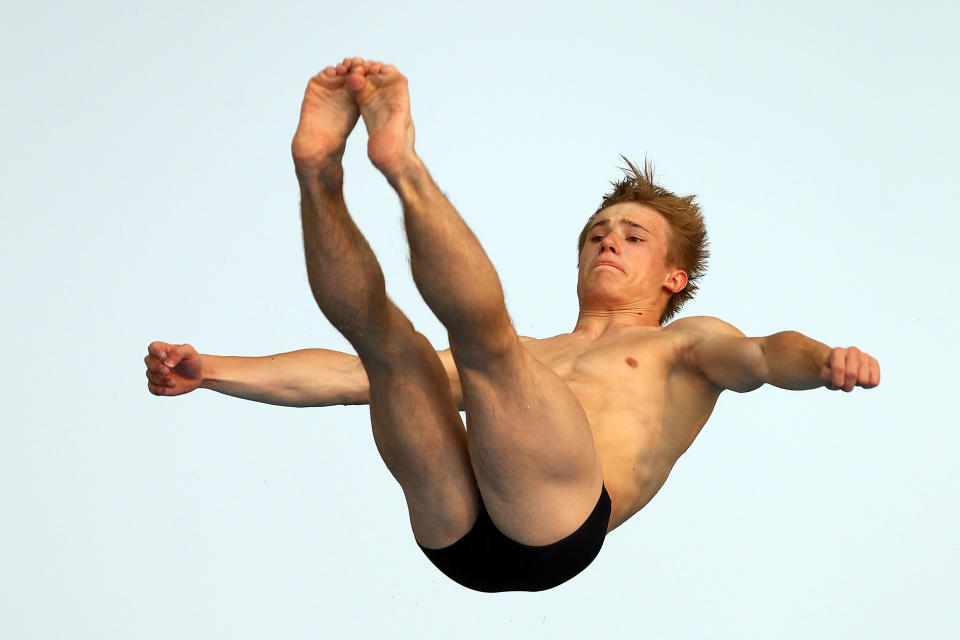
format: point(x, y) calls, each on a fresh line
point(687, 241)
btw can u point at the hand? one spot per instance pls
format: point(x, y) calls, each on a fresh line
point(847, 368)
point(173, 369)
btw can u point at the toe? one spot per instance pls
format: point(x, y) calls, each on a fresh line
point(375, 67)
point(355, 83)
point(342, 69)
point(388, 69)
point(330, 72)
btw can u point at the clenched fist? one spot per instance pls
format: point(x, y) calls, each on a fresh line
point(849, 368)
point(173, 369)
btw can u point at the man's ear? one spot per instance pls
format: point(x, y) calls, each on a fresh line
point(676, 281)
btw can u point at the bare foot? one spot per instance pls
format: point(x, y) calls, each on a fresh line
point(327, 117)
point(381, 93)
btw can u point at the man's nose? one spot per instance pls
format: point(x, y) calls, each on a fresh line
point(608, 245)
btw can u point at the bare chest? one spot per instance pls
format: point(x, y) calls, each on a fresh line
point(611, 376)
point(644, 410)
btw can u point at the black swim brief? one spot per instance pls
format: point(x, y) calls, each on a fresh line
point(487, 560)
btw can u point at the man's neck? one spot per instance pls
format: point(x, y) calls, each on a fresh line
point(594, 322)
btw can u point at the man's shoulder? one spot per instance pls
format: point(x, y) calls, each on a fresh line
point(692, 333)
point(701, 327)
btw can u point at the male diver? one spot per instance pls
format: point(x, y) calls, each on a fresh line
point(566, 437)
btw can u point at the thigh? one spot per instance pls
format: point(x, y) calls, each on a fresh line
point(530, 445)
point(421, 438)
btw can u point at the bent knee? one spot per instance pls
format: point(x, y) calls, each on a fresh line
point(412, 360)
point(490, 352)
point(397, 342)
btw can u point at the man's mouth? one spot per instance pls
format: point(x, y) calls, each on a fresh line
point(605, 263)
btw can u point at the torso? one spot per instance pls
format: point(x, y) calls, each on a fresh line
point(644, 404)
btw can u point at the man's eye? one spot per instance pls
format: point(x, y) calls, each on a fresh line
point(596, 238)
point(635, 239)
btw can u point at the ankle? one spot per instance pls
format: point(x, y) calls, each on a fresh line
point(412, 181)
point(316, 177)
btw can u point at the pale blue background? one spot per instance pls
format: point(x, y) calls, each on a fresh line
point(147, 194)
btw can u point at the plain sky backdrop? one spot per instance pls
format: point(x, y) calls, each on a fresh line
point(147, 193)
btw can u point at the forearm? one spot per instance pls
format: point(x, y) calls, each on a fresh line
point(794, 361)
point(304, 378)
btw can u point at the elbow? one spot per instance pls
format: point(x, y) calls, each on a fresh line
point(761, 363)
point(755, 371)
point(747, 386)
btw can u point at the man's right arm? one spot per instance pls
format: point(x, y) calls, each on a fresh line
point(304, 378)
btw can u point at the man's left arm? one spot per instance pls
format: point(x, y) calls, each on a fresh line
point(789, 360)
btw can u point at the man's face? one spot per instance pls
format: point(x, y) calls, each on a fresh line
point(623, 261)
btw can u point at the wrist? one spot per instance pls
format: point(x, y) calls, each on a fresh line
point(208, 369)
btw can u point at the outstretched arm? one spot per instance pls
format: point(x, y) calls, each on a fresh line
point(304, 378)
point(789, 360)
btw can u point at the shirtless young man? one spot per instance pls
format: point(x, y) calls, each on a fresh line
point(566, 437)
